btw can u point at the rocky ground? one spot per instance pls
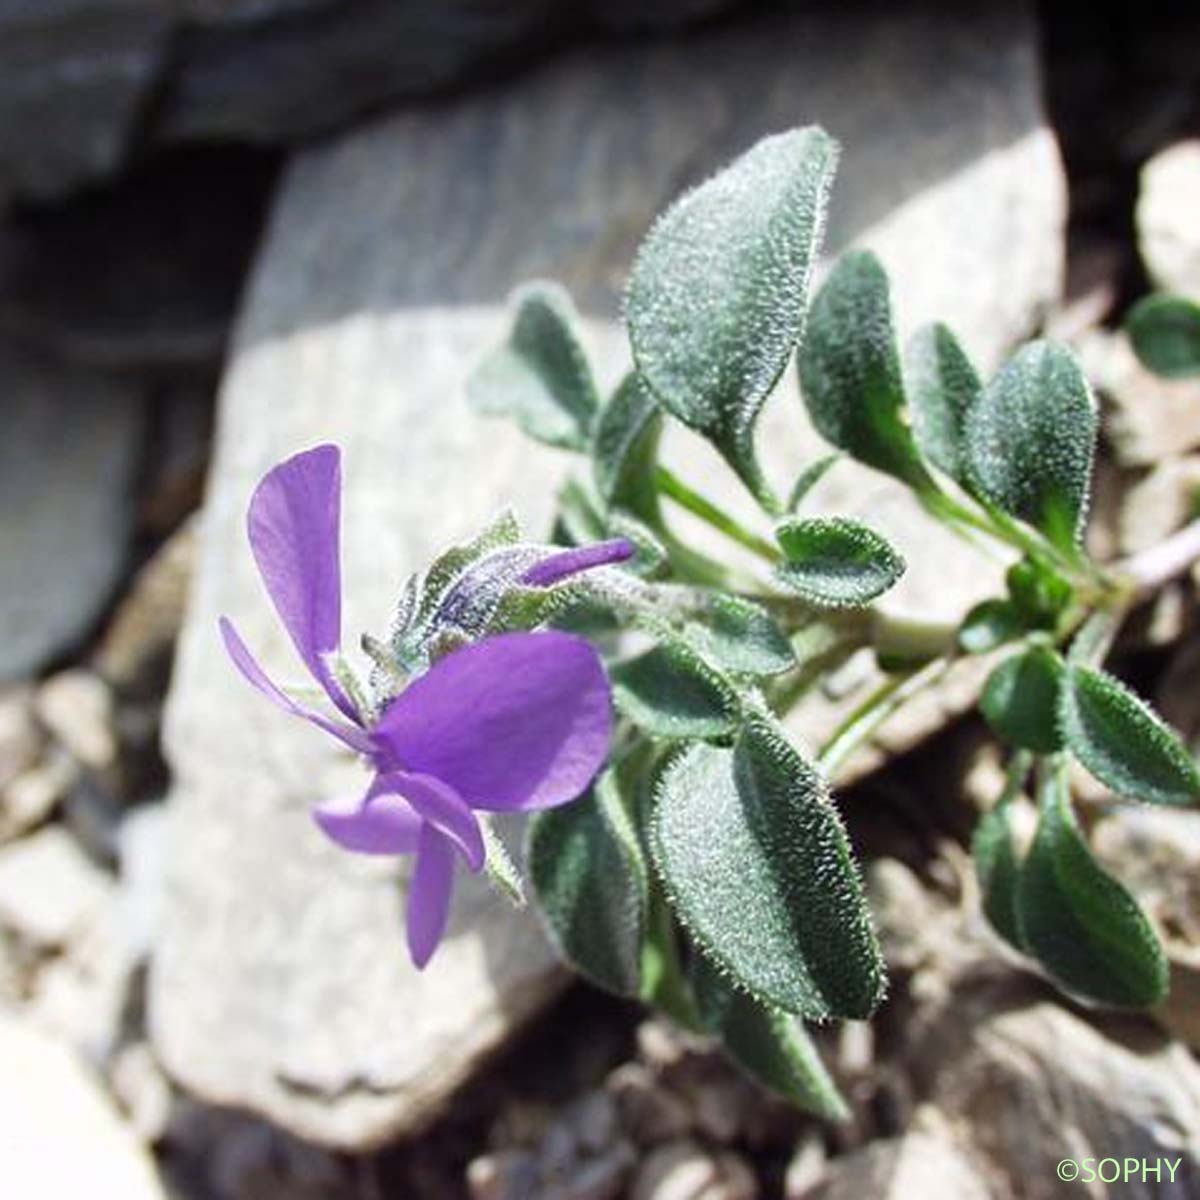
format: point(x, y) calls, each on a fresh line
point(200, 999)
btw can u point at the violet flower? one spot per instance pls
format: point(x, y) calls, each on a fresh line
point(514, 722)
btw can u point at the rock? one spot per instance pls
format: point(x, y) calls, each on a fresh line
point(1166, 218)
point(917, 1164)
point(73, 74)
point(142, 850)
point(684, 1171)
point(506, 1175)
point(1150, 418)
point(394, 222)
point(142, 1090)
point(1158, 505)
point(67, 463)
point(77, 709)
point(600, 1178)
point(650, 1112)
point(20, 738)
point(136, 648)
point(30, 798)
point(50, 893)
point(58, 1133)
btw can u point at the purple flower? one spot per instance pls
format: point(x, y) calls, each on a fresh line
point(514, 722)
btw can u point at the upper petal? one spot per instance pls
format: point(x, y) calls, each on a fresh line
point(580, 558)
point(245, 662)
point(294, 527)
point(378, 823)
point(517, 721)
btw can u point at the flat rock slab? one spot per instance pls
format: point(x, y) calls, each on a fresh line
point(59, 1135)
point(68, 457)
point(280, 983)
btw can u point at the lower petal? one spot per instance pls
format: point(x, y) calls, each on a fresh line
point(429, 894)
point(377, 823)
point(440, 805)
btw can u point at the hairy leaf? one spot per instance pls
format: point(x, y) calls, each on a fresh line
point(850, 371)
point(739, 636)
point(997, 866)
point(1084, 928)
point(1121, 741)
point(719, 288)
point(757, 869)
point(770, 1045)
point(540, 375)
point(990, 624)
point(670, 691)
point(809, 478)
point(589, 879)
point(1030, 438)
point(942, 385)
point(1165, 332)
point(835, 561)
point(1039, 593)
point(1021, 700)
point(625, 449)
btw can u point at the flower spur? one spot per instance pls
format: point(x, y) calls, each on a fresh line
point(514, 722)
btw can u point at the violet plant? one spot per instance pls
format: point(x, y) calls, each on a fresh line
point(689, 854)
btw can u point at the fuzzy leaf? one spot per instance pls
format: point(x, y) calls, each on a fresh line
point(850, 371)
point(625, 449)
point(1082, 925)
point(997, 866)
point(771, 1046)
point(540, 376)
point(988, 625)
point(835, 561)
point(739, 636)
point(580, 519)
point(502, 872)
point(719, 288)
point(1039, 593)
point(942, 385)
point(1030, 438)
point(671, 692)
point(589, 879)
point(757, 869)
point(1020, 700)
point(1121, 741)
point(1165, 332)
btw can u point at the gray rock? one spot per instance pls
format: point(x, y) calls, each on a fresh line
point(683, 1170)
point(73, 74)
point(67, 462)
point(58, 1132)
point(76, 706)
point(281, 971)
point(1168, 233)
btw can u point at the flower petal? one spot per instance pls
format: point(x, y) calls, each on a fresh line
point(294, 527)
point(429, 894)
point(443, 807)
point(581, 558)
point(378, 823)
point(516, 721)
point(245, 662)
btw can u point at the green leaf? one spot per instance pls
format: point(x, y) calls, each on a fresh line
point(757, 869)
point(625, 450)
point(589, 880)
point(650, 555)
point(580, 519)
point(502, 872)
point(809, 478)
point(836, 562)
point(540, 376)
point(719, 288)
point(1030, 439)
point(1083, 927)
point(988, 625)
point(737, 635)
point(671, 692)
point(771, 1046)
point(1121, 741)
point(1039, 593)
point(850, 371)
point(1165, 332)
point(997, 866)
point(1020, 700)
point(942, 385)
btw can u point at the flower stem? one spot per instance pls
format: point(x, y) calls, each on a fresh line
point(686, 497)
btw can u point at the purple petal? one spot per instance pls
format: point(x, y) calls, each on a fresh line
point(245, 662)
point(294, 520)
point(517, 721)
point(377, 823)
point(429, 894)
point(443, 807)
point(570, 562)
